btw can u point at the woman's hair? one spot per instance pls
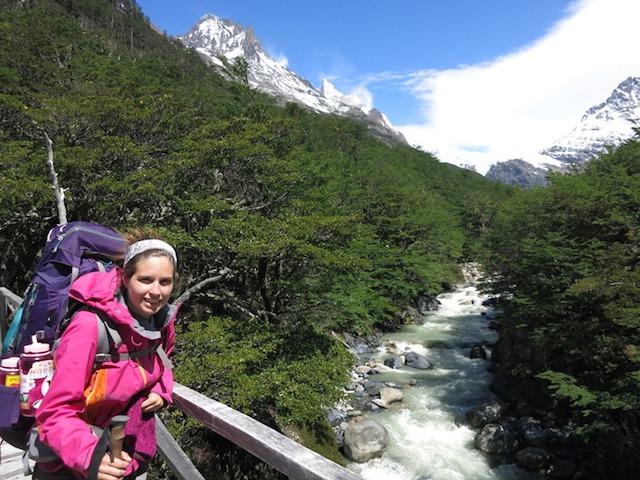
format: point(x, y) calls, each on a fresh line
point(135, 235)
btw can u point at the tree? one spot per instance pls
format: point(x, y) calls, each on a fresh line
point(566, 265)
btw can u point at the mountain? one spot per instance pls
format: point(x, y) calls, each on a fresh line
point(518, 172)
point(223, 42)
point(607, 124)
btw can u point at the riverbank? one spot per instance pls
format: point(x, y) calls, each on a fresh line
point(429, 387)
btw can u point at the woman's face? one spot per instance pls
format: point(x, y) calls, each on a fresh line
point(149, 288)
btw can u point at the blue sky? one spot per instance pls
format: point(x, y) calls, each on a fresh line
point(474, 81)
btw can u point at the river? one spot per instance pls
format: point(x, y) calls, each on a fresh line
point(428, 437)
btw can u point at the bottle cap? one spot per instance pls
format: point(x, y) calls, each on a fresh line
point(10, 363)
point(36, 347)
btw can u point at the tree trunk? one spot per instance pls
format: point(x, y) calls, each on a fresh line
point(57, 191)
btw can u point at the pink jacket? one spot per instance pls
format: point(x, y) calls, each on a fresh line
point(79, 395)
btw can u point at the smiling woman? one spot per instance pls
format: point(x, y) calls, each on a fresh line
point(148, 276)
point(133, 302)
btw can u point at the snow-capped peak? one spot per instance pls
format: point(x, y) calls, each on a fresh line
point(216, 38)
point(606, 124)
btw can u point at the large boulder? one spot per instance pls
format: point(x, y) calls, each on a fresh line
point(365, 440)
point(566, 468)
point(415, 360)
point(496, 438)
point(533, 458)
point(534, 433)
point(480, 416)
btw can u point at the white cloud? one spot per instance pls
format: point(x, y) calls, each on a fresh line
point(282, 60)
point(518, 104)
point(361, 97)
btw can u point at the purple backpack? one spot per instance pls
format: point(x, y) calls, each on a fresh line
point(71, 250)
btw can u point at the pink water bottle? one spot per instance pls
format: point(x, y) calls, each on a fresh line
point(10, 372)
point(36, 369)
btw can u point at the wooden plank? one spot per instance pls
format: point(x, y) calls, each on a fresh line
point(175, 457)
point(277, 450)
point(11, 465)
point(9, 301)
point(13, 300)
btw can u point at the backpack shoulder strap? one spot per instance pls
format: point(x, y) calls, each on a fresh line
point(109, 341)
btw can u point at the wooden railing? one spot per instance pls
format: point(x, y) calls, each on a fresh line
point(270, 446)
point(9, 303)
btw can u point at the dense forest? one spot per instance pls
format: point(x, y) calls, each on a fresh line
point(295, 226)
point(566, 262)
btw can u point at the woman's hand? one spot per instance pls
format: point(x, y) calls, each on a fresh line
point(108, 470)
point(153, 403)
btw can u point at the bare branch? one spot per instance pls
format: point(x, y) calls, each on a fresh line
point(198, 287)
point(239, 207)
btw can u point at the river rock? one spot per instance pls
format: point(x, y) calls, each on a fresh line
point(394, 362)
point(362, 369)
point(415, 360)
point(490, 412)
point(427, 304)
point(365, 440)
point(411, 316)
point(478, 352)
point(378, 367)
point(388, 395)
point(335, 416)
point(533, 458)
point(372, 388)
point(496, 438)
point(567, 468)
point(534, 433)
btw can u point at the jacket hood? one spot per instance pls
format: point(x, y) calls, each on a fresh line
point(103, 291)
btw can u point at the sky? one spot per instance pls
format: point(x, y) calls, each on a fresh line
point(472, 81)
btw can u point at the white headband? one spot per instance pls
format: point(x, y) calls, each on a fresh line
point(149, 244)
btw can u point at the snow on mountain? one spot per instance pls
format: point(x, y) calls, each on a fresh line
point(607, 124)
point(224, 40)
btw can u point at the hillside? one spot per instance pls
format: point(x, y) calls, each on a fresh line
point(566, 269)
point(302, 223)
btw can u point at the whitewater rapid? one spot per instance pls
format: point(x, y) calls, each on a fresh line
point(428, 435)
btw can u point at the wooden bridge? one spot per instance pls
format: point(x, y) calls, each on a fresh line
point(279, 451)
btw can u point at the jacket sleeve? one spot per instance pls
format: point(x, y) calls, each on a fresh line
point(164, 387)
point(60, 414)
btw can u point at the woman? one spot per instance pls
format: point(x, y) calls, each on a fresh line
point(135, 298)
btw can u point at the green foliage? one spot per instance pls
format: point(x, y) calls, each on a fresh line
point(319, 225)
point(291, 373)
point(566, 263)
